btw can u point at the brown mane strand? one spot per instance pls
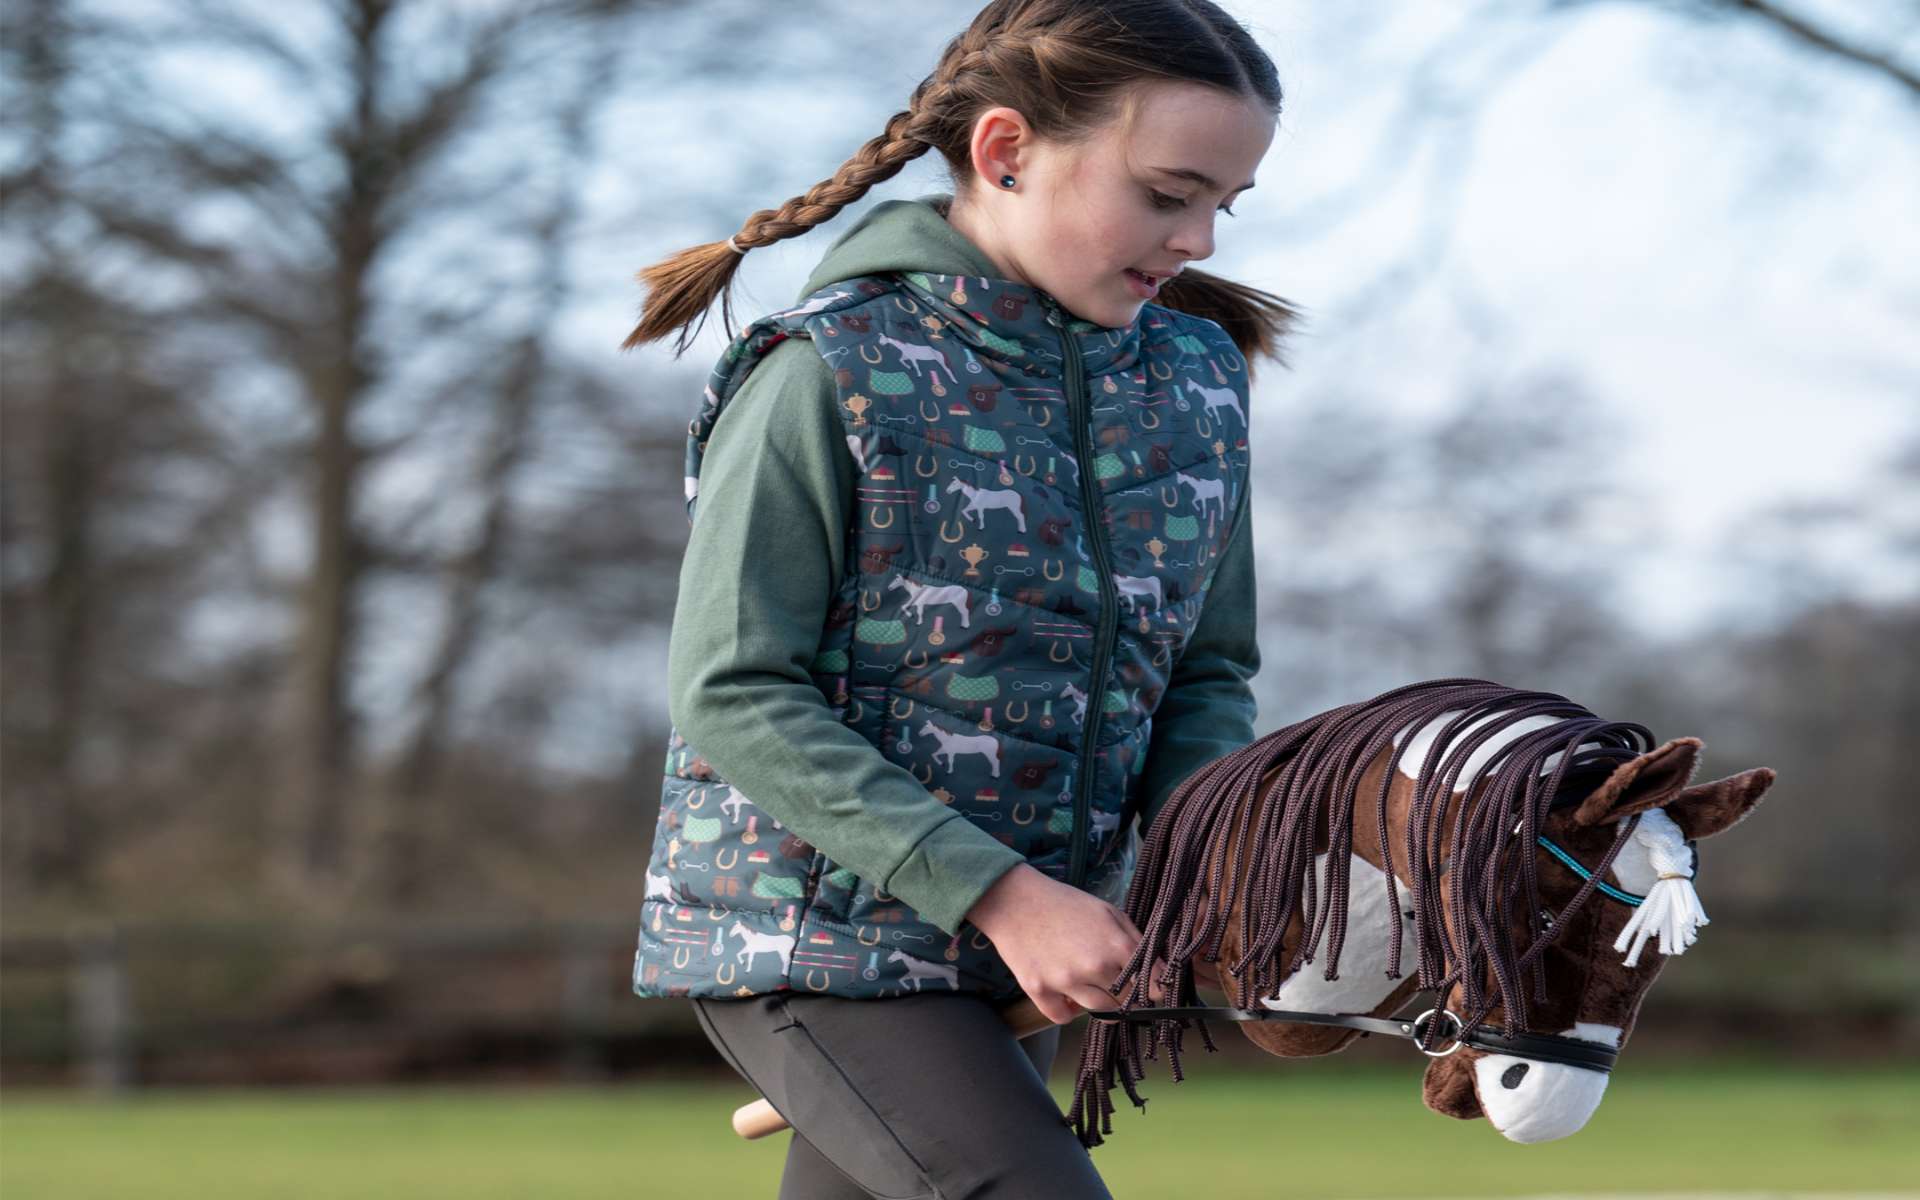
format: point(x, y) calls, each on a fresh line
point(1187, 881)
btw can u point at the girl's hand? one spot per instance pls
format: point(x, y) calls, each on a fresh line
point(1064, 946)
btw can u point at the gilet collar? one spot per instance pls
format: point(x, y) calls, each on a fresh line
point(1015, 323)
point(945, 273)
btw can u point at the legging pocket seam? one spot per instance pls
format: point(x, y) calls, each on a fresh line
point(933, 1190)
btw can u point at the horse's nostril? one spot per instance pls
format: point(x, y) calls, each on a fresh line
point(1513, 1075)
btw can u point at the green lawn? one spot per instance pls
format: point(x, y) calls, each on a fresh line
point(1329, 1130)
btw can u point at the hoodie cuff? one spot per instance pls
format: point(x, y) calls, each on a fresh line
point(949, 869)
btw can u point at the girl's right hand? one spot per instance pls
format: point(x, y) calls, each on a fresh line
point(1064, 946)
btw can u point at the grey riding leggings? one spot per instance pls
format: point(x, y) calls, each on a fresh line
point(926, 1095)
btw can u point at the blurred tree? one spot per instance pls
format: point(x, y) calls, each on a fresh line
point(326, 509)
point(101, 419)
point(1476, 541)
point(1864, 40)
point(346, 273)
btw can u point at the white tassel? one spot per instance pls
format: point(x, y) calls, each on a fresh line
point(1671, 907)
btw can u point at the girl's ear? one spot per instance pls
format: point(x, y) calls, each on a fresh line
point(1708, 808)
point(1648, 781)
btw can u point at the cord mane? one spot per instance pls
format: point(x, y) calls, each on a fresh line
point(1218, 815)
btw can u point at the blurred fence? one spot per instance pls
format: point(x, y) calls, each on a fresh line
point(115, 1006)
point(111, 1007)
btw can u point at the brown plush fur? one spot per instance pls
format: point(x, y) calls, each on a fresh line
point(1585, 977)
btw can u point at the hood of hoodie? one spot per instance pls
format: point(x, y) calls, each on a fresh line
point(900, 235)
point(943, 269)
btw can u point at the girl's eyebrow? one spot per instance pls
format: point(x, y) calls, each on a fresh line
point(1198, 177)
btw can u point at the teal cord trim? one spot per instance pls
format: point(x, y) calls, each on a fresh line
point(1573, 864)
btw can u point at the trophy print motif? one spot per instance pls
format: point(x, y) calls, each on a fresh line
point(1004, 629)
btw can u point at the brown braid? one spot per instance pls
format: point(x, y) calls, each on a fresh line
point(682, 287)
point(1068, 67)
point(1219, 827)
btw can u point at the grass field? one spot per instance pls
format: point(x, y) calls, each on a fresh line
point(1356, 1130)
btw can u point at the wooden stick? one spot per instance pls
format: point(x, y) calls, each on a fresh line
point(760, 1118)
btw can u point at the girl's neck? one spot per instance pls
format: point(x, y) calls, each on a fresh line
point(963, 218)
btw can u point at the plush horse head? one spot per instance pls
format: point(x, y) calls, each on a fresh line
point(1526, 848)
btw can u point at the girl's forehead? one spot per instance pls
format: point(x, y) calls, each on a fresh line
point(1209, 137)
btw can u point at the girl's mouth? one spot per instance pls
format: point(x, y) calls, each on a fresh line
point(1143, 285)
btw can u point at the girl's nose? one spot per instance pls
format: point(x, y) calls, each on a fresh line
point(1194, 241)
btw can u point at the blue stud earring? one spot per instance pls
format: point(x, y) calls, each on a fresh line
point(1006, 181)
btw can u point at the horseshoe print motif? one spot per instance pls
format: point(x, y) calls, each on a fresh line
point(970, 584)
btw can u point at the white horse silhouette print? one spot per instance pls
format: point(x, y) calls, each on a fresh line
point(919, 595)
point(952, 744)
point(1205, 490)
point(1212, 398)
point(732, 804)
point(1132, 586)
point(756, 943)
point(979, 500)
point(919, 969)
point(912, 355)
point(1079, 699)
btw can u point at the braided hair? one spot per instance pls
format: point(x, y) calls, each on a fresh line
point(1069, 67)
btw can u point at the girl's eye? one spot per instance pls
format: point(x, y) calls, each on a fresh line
point(1163, 201)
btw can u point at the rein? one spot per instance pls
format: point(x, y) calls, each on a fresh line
point(1540, 1047)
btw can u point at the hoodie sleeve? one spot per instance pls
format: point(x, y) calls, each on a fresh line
point(763, 560)
point(1208, 708)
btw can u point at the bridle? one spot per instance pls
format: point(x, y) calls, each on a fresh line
point(1540, 1047)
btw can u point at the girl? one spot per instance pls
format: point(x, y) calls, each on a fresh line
point(971, 590)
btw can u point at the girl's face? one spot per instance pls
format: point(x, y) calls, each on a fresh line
point(1079, 219)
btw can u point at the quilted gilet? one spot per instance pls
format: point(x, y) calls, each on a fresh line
point(1041, 502)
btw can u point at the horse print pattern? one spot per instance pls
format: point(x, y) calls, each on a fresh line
point(1040, 505)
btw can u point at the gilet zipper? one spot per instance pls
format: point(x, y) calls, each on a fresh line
point(1109, 602)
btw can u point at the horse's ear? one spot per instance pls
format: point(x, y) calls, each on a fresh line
point(1708, 808)
point(1648, 781)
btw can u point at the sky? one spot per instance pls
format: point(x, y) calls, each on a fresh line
point(1643, 233)
point(1709, 227)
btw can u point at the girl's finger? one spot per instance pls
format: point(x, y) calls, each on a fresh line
point(1093, 999)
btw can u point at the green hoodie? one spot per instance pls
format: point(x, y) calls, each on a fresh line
point(761, 570)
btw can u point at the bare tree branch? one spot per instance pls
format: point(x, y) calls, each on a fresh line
point(1804, 30)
